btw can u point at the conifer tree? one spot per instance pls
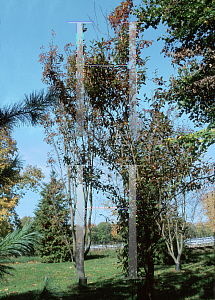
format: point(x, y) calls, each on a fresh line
point(51, 220)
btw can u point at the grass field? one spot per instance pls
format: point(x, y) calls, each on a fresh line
point(194, 281)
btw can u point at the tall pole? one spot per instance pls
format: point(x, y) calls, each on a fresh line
point(132, 241)
point(79, 259)
point(79, 134)
point(132, 80)
point(79, 82)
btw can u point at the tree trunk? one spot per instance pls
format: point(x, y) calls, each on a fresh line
point(82, 281)
point(80, 266)
point(146, 291)
point(178, 264)
point(87, 249)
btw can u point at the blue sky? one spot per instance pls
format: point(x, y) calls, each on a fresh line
point(25, 27)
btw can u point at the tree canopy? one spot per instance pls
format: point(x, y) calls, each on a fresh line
point(190, 41)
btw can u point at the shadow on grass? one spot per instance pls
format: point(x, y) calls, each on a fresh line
point(120, 290)
point(94, 256)
point(107, 289)
point(36, 259)
point(185, 284)
point(175, 286)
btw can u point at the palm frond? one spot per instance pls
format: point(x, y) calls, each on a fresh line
point(19, 242)
point(30, 110)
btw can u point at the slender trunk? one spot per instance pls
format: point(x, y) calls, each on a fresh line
point(88, 248)
point(89, 223)
point(72, 214)
point(178, 263)
point(180, 249)
point(177, 267)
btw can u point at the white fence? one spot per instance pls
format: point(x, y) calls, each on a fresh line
point(97, 247)
point(197, 242)
point(200, 242)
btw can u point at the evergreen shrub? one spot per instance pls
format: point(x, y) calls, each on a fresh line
point(52, 248)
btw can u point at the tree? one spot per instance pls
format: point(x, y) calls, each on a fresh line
point(190, 43)
point(29, 111)
point(26, 219)
point(16, 243)
point(202, 229)
point(12, 182)
point(71, 152)
point(193, 149)
point(51, 220)
point(116, 236)
point(94, 234)
point(160, 173)
point(207, 200)
point(190, 233)
point(8, 198)
point(174, 229)
point(104, 232)
point(104, 95)
point(208, 203)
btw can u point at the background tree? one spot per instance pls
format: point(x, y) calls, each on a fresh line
point(208, 203)
point(174, 226)
point(104, 232)
point(198, 229)
point(26, 219)
point(12, 182)
point(51, 220)
point(174, 230)
point(190, 233)
point(116, 234)
point(8, 198)
point(94, 234)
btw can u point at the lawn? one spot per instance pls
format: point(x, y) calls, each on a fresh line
point(194, 281)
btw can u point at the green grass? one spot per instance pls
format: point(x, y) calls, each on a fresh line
point(194, 281)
